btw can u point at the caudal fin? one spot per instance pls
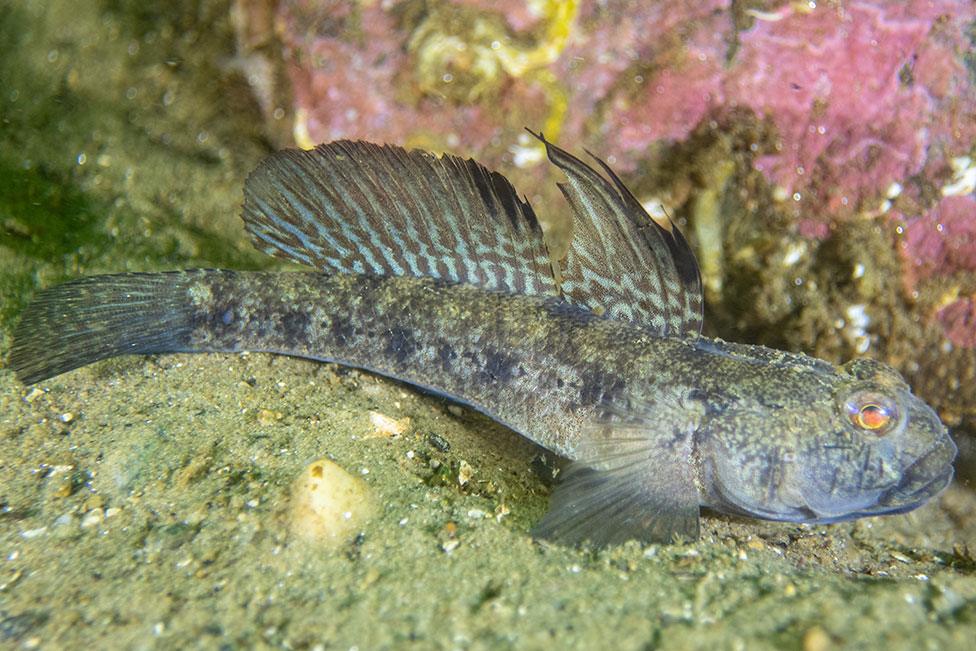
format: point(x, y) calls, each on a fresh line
point(94, 318)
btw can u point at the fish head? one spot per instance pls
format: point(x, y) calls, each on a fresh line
point(858, 444)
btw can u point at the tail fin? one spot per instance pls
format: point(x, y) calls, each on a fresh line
point(94, 318)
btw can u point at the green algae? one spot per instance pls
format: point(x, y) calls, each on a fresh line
point(144, 499)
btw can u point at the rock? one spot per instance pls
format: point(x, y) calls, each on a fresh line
point(328, 505)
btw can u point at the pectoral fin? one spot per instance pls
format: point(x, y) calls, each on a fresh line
point(625, 486)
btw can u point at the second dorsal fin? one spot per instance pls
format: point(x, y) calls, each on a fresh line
point(356, 207)
point(621, 261)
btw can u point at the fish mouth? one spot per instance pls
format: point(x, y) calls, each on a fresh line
point(925, 478)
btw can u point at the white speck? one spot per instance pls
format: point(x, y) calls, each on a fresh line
point(403, 522)
point(765, 16)
point(364, 471)
point(347, 515)
point(893, 190)
point(963, 178)
point(526, 156)
point(857, 316)
point(780, 193)
point(476, 514)
point(858, 271)
point(450, 545)
point(575, 569)
point(655, 208)
point(92, 518)
point(794, 252)
point(82, 158)
point(33, 533)
point(797, 196)
point(411, 454)
point(856, 331)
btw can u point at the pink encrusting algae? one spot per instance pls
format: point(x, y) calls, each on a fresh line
point(861, 94)
point(958, 321)
point(942, 242)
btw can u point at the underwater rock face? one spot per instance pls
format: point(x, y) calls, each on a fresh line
point(861, 94)
point(942, 242)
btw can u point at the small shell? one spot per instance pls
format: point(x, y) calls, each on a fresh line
point(387, 427)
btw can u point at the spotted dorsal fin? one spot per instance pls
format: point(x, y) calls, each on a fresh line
point(356, 207)
point(621, 261)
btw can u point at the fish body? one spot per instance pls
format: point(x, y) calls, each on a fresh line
point(436, 274)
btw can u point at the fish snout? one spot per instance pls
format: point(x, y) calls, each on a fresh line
point(925, 478)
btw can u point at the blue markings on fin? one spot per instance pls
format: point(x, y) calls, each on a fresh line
point(620, 259)
point(356, 207)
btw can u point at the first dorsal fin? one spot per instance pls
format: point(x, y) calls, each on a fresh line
point(622, 261)
point(357, 207)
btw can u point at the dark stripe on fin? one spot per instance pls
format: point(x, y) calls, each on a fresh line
point(94, 318)
point(621, 260)
point(356, 207)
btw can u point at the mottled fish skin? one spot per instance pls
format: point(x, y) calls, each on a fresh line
point(657, 420)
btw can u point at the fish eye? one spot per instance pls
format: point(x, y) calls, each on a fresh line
point(871, 412)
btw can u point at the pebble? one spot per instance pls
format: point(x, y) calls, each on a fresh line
point(386, 426)
point(92, 519)
point(816, 639)
point(328, 504)
point(465, 473)
point(268, 417)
